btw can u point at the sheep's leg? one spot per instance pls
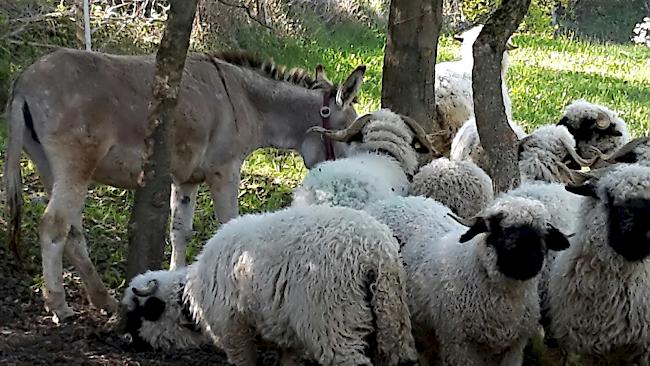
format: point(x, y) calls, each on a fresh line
point(183, 203)
point(515, 355)
point(224, 188)
point(63, 210)
point(238, 342)
point(457, 354)
point(77, 252)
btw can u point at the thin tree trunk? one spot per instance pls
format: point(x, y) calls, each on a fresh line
point(497, 138)
point(410, 58)
point(150, 213)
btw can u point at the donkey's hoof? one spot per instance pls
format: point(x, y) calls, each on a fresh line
point(61, 315)
point(106, 303)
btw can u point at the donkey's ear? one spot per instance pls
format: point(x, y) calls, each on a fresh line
point(349, 89)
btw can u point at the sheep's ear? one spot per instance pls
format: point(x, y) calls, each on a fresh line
point(480, 226)
point(587, 190)
point(349, 89)
point(563, 122)
point(555, 239)
point(153, 309)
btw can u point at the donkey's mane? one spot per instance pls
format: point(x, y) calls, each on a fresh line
point(267, 67)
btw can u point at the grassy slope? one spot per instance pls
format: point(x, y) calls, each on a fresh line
point(545, 76)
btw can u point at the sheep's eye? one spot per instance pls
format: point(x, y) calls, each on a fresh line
point(417, 145)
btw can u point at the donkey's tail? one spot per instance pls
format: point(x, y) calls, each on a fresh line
point(17, 113)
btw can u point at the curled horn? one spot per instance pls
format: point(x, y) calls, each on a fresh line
point(604, 160)
point(574, 177)
point(345, 134)
point(420, 134)
point(577, 158)
point(151, 287)
point(602, 121)
point(462, 221)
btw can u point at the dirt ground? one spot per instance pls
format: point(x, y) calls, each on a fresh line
point(29, 337)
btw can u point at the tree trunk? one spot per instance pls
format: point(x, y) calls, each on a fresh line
point(497, 138)
point(410, 58)
point(150, 213)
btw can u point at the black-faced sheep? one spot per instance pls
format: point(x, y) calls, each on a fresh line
point(473, 292)
point(385, 150)
point(594, 125)
point(599, 288)
point(322, 282)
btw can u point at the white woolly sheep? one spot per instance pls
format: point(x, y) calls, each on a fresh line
point(563, 208)
point(594, 125)
point(546, 155)
point(458, 74)
point(473, 291)
point(460, 185)
point(155, 314)
point(599, 288)
point(322, 282)
point(385, 151)
point(466, 144)
point(406, 216)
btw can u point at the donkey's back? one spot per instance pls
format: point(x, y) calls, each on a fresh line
point(94, 107)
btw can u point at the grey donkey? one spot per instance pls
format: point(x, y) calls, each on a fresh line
point(81, 118)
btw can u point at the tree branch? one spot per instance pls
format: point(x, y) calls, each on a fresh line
point(497, 138)
point(248, 11)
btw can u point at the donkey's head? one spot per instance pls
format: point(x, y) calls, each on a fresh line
point(336, 113)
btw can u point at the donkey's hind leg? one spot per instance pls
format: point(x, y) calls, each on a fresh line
point(63, 210)
point(77, 252)
point(183, 203)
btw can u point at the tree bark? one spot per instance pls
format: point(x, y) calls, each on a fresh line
point(409, 60)
point(497, 138)
point(150, 213)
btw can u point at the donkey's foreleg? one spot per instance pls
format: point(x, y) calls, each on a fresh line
point(77, 252)
point(224, 188)
point(183, 203)
point(63, 210)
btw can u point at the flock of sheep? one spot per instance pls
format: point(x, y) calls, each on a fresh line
point(388, 257)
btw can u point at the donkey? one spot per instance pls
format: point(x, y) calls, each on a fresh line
point(81, 117)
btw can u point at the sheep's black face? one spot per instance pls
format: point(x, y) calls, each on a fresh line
point(629, 232)
point(587, 128)
point(150, 309)
point(520, 250)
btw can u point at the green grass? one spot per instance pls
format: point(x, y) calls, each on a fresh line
point(546, 75)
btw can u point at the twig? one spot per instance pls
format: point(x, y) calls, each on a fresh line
point(248, 11)
point(35, 44)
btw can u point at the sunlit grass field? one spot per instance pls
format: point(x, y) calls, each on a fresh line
point(545, 75)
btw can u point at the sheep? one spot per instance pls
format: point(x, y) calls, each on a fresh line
point(460, 185)
point(563, 208)
point(472, 292)
point(636, 151)
point(546, 154)
point(594, 125)
point(599, 288)
point(317, 281)
point(155, 314)
point(406, 216)
point(459, 73)
point(385, 150)
point(466, 144)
